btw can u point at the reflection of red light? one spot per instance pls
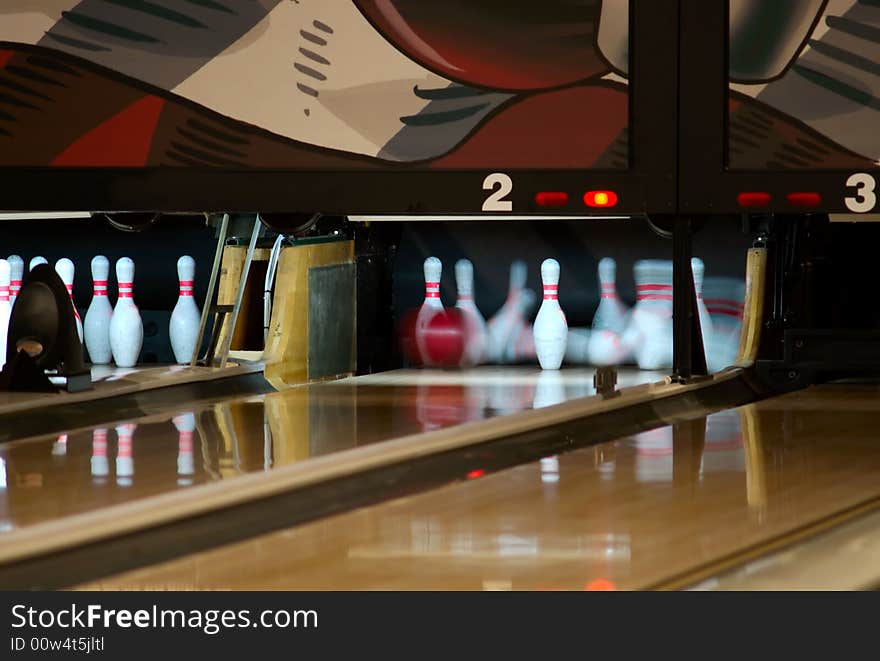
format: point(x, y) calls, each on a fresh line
point(753, 199)
point(551, 199)
point(474, 474)
point(804, 199)
point(600, 585)
point(600, 198)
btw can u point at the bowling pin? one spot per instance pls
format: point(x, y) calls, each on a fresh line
point(65, 269)
point(5, 308)
point(99, 463)
point(59, 447)
point(125, 454)
point(648, 335)
point(550, 329)
point(432, 304)
point(36, 261)
point(506, 322)
point(699, 270)
point(185, 425)
point(611, 314)
point(475, 325)
point(520, 345)
point(126, 326)
point(724, 298)
point(96, 326)
point(184, 326)
point(577, 346)
point(16, 265)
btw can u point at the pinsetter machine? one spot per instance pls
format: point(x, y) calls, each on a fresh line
point(676, 112)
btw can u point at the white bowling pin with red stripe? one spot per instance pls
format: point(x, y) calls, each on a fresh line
point(505, 326)
point(550, 329)
point(648, 334)
point(611, 314)
point(183, 328)
point(16, 266)
point(59, 447)
point(5, 308)
point(126, 326)
point(125, 454)
point(706, 327)
point(96, 326)
point(474, 323)
point(724, 298)
point(433, 270)
point(65, 269)
point(35, 262)
point(185, 425)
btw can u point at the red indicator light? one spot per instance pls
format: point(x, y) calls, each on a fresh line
point(600, 198)
point(804, 199)
point(600, 585)
point(753, 199)
point(551, 199)
point(474, 474)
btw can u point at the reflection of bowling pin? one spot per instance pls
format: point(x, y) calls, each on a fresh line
point(59, 447)
point(5, 308)
point(16, 265)
point(550, 389)
point(185, 424)
point(611, 313)
point(475, 325)
point(100, 465)
point(124, 455)
point(432, 304)
point(648, 334)
point(99, 314)
point(504, 323)
point(126, 326)
point(65, 269)
point(35, 262)
point(184, 326)
point(654, 455)
point(699, 270)
point(550, 329)
point(723, 450)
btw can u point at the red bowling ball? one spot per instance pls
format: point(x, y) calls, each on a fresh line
point(511, 45)
point(444, 339)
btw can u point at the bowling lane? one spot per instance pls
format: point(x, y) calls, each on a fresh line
point(660, 508)
point(50, 478)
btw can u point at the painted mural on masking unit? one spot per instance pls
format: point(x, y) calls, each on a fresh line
point(312, 83)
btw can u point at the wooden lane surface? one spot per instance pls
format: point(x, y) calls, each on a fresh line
point(60, 492)
point(636, 512)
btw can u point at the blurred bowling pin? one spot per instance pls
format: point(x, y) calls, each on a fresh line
point(184, 326)
point(100, 465)
point(520, 345)
point(185, 425)
point(126, 326)
point(36, 261)
point(124, 454)
point(699, 271)
point(648, 334)
point(16, 265)
point(65, 269)
point(724, 298)
point(5, 308)
point(577, 349)
point(550, 329)
point(433, 269)
point(504, 324)
point(612, 313)
point(475, 325)
point(97, 322)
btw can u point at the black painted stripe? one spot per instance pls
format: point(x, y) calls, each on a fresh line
point(314, 56)
point(305, 89)
point(216, 6)
point(103, 27)
point(5, 132)
point(444, 93)
point(798, 152)
point(308, 71)
point(837, 87)
point(24, 72)
point(323, 27)
point(205, 156)
point(847, 57)
point(209, 144)
point(10, 100)
point(6, 117)
point(856, 29)
point(214, 132)
point(52, 65)
point(435, 118)
point(809, 144)
point(315, 39)
point(77, 43)
point(145, 7)
point(180, 158)
point(23, 89)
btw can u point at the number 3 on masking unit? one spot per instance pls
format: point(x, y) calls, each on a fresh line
point(866, 194)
